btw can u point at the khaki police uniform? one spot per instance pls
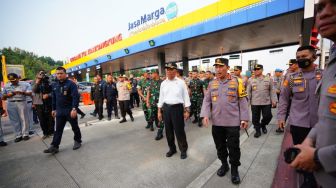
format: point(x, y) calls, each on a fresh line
point(261, 95)
point(324, 132)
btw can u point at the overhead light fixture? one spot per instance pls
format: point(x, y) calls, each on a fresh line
point(151, 43)
point(126, 50)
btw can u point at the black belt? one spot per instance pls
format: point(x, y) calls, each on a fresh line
point(173, 105)
point(29, 101)
point(16, 101)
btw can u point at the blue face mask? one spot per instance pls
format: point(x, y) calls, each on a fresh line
point(303, 63)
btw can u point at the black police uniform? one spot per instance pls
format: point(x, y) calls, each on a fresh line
point(98, 97)
point(111, 94)
point(64, 100)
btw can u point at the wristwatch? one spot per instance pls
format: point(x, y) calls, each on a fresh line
point(187, 109)
point(316, 158)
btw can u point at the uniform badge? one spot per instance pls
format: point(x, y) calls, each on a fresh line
point(254, 88)
point(214, 98)
point(285, 83)
point(301, 89)
point(332, 108)
point(332, 89)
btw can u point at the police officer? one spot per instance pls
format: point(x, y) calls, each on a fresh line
point(16, 93)
point(134, 92)
point(111, 95)
point(42, 93)
point(174, 109)
point(196, 87)
point(237, 72)
point(124, 89)
point(64, 107)
point(319, 148)
point(227, 96)
point(142, 91)
point(262, 97)
point(277, 80)
point(152, 99)
point(98, 97)
point(300, 87)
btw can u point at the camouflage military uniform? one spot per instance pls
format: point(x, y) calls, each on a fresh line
point(206, 83)
point(196, 89)
point(144, 85)
point(154, 92)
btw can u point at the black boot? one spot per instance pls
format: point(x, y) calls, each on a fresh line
point(257, 134)
point(223, 170)
point(151, 127)
point(148, 126)
point(159, 135)
point(123, 120)
point(235, 179)
point(264, 129)
point(132, 118)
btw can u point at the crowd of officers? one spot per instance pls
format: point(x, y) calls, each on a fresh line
point(305, 97)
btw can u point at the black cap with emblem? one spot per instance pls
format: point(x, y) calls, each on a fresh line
point(221, 61)
point(12, 76)
point(237, 68)
point(171, 66)
point(258, 66)
point(292, 61)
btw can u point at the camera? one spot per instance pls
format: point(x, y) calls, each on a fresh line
point(290, 154)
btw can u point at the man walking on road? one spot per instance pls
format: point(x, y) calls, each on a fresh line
point(174, 103)
point(228, 99)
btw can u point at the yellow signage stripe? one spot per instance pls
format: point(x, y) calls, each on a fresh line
point(205, 13)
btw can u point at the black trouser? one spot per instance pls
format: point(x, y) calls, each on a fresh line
point(111, 104)
point(80, 112)
point(46, 120)
point(174, 122)
point(124, 108)
point(135, 99)
point(35, 118)
point(61, 120)
point(266, 111)
point(227, 144)
point(299, 134)
point(99, 106)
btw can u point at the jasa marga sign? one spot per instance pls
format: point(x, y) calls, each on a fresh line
point(154, 18)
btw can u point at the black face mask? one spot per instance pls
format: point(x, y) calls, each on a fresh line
point(303, 63)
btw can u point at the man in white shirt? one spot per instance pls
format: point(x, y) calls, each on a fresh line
point(174, 105)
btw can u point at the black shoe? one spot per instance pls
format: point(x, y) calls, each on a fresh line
point(184, 155)
point(117, 117)
point(31, 132)
point(151, 128)
point(82, 116)
point(101, 117)
point(25, 138)
point(223, 170)
point(2, 143)
point(264, 130)
point(195, 120)
point(235, 179)
point(93, 114)
point(200, 124)
point(51, 150)
point(159, 136)
point(77, 145)
point(279, 130)
point(109, 118)
point(132, 118)
point(170, 153)
point(148, 126)
point(123, 121)
point(18, 139)
point(257, 134)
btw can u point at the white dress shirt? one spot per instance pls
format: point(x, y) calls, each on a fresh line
point(174, 92)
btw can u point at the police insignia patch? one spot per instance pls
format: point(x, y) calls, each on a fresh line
point(285, 83)
point(332, 108)
point(332, 89)
point(214, 98)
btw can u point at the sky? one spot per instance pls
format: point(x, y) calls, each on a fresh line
point(63, 28)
